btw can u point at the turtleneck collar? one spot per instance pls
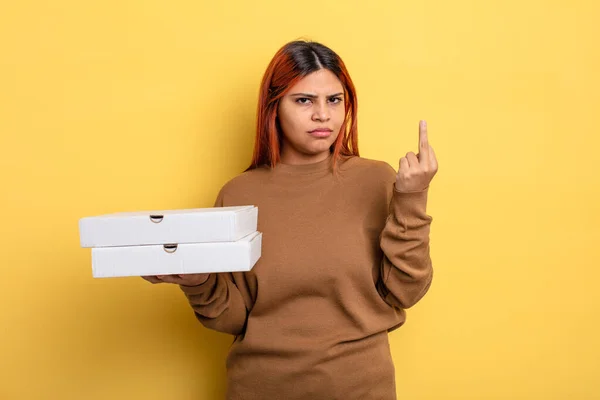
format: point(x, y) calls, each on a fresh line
point(303, 169)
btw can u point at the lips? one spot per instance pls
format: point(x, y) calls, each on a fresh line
point(321, 132)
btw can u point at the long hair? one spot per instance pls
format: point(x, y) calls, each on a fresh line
point(291, 63)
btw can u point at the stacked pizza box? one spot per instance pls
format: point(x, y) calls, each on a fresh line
point(216, 239)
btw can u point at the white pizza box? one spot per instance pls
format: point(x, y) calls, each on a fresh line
point(197, 225)
point(168, 259)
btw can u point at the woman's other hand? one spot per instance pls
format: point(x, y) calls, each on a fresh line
point(181, 279)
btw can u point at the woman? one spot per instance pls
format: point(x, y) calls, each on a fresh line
point(345, 244)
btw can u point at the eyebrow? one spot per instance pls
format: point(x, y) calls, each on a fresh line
point(314, 96)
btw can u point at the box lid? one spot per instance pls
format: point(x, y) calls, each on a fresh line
point(198, 225)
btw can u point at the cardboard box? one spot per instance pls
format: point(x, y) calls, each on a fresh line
point(240, 255)
point(200, 225)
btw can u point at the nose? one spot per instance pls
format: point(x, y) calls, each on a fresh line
point(321, 112)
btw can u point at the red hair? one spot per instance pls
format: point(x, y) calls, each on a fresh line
point(291, 63)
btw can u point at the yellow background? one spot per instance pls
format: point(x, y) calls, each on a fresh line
point(127, 105)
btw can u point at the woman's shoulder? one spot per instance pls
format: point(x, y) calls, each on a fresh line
point(369, 169)
point(246, 181)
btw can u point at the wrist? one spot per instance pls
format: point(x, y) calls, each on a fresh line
point(194, 284)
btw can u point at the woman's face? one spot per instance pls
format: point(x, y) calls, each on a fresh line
point(311, 115)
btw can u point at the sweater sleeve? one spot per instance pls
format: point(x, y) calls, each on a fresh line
point(406, 269)
point(218, 303)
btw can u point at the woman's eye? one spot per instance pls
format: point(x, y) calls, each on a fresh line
point(306, 100)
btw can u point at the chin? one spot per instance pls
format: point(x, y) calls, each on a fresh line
point(320, 147)
point(316, 152)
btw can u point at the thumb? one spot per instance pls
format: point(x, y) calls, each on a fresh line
point(169, 278)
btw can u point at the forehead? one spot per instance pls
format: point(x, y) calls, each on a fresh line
point(322, 81)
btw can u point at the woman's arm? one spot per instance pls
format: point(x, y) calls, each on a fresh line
point(216, 298)
point(219, 303)
point(406, 270)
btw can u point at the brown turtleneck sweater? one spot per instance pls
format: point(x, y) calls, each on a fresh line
point(344, 254)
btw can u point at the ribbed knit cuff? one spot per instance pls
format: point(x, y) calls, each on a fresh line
point(410, 205)
point(201, 288)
